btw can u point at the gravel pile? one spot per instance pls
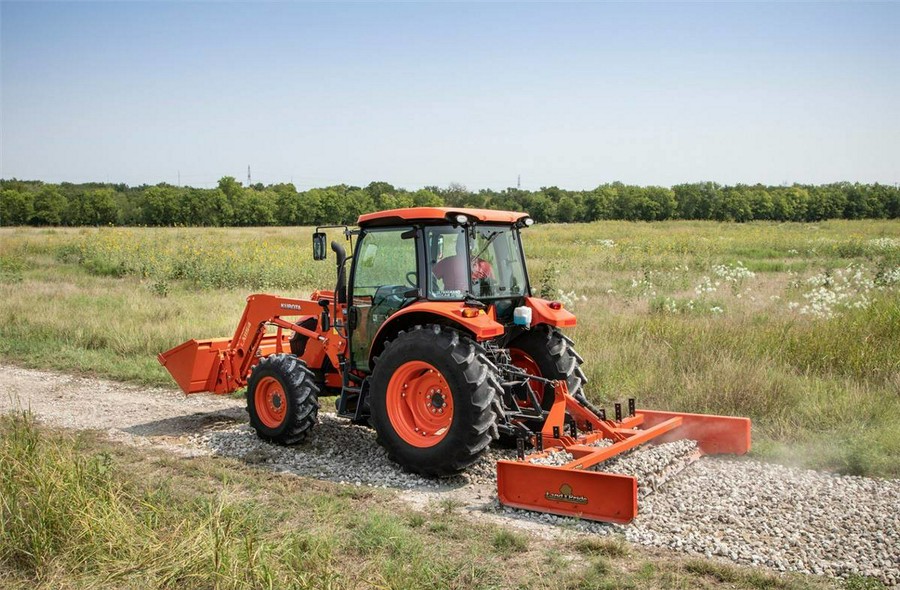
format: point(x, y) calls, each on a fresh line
point(748, 512)
point(340, 452)
point(779, 517)
point(554, 458)
point(654, 465)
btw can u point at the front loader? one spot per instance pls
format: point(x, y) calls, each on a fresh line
point(437, 342)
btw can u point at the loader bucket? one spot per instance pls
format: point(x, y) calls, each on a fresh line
point(195, 364)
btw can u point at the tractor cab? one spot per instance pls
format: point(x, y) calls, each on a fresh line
point(416, 259)
point(461, 268)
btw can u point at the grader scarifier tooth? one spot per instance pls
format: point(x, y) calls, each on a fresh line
point(572, 488)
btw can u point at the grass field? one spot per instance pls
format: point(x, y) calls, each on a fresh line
point(794, 325)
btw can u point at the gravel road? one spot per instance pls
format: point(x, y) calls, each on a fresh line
point(759, 514)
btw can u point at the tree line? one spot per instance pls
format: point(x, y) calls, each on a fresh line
point(232, 204)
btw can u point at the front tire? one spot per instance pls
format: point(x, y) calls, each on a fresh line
point(282, 399)
point(432, 394)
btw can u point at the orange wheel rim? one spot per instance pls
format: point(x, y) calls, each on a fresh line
point(270, 402)
point(530, 366)
point(419, 404)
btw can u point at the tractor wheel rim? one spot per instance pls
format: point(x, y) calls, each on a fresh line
point(419, 404)
point(524, 361)
point(270, 402)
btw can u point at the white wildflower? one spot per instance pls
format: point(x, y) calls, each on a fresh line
point(885, 243)
point(706, 286)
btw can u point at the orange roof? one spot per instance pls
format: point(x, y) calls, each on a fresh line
point(392, 216)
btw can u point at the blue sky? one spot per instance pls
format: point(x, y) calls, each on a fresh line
point(572, 95)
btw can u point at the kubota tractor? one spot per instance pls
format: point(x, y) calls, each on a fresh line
point(437, 342)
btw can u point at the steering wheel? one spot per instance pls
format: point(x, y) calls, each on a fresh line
point(413, 282)
point(486, 286)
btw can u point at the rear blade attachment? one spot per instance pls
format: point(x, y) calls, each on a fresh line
point(559, 478)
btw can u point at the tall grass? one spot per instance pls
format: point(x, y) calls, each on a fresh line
point(64, 513)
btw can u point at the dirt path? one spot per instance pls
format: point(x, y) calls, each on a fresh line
point(125, 412)
point(748, 512)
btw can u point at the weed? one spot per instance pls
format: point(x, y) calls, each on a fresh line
point(548, 282)
point(606, 546)
point(449, 505)
point(856, 582)
point(160, 288)
point(507, 542)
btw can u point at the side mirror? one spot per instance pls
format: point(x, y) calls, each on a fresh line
point(320, 247)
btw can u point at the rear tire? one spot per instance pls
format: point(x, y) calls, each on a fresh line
point(282, 399)
point(552, 353)
point(421, 372)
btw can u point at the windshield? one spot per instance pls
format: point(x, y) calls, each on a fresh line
point(483, 260)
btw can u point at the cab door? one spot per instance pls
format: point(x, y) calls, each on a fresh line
point(384, 279)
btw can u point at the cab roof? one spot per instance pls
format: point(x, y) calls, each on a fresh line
point(400, 216)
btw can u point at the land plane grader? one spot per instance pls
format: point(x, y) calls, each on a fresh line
point(437, 342)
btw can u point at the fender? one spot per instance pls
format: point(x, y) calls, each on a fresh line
point(542, 313)
point(483, 325)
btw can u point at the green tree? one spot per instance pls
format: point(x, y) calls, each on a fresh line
point(49, 206)
point(16, 207)
point(359, 202)
point(93, 207)
point(103, 202)
point(333, 205)
point(826, 202)
point(633, 203)
point(760, 201)
point(252, 207)
point(205, 207)
point(567, 210)
point(377, 190)
point(426, 198)
point(398, 200)
point(665, 205)
point(858, 204)
point(697, 200)
point(160, 206)
point(734, 205)
point(598, 203)
point(540, 206)
point(455, 195)
point(309, 208)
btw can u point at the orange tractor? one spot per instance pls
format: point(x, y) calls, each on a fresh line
point(437, 342)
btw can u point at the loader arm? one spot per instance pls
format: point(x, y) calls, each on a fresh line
point(222, 365)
